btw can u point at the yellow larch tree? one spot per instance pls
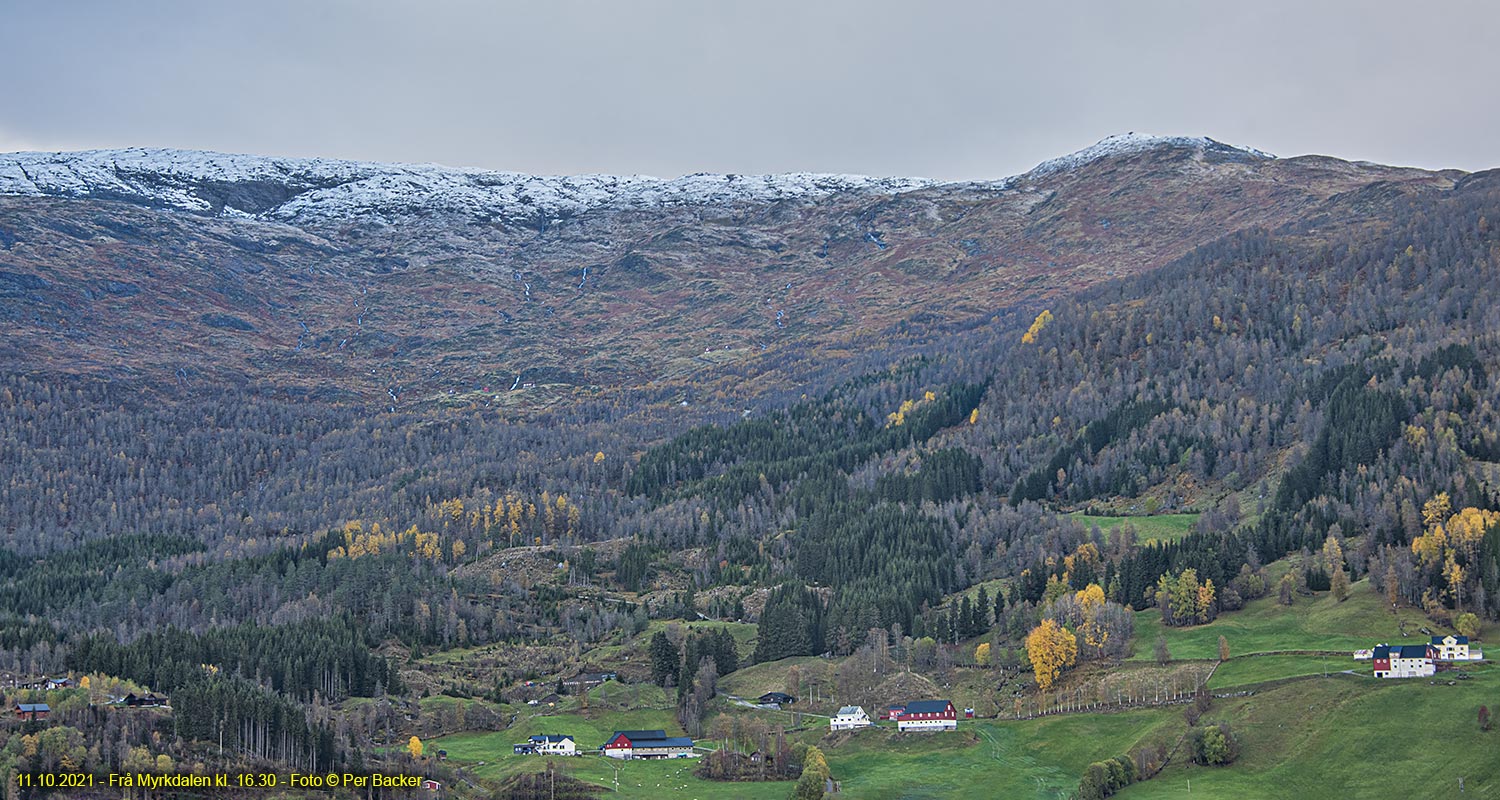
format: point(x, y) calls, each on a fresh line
point(1090, 603)
point(1051, 649)
point(1042, 320)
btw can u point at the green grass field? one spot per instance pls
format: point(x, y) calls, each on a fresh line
point(1249, 670)
point(1310, 623)
point(488, 756)
point(1162, 527)
point(1349, 737)
point(1040, 758)
point(755, 680)
point(1030, 759)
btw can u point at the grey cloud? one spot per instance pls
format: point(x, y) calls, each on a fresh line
point(943, 89)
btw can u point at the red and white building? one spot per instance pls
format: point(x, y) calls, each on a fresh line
point(926, 715)
point(1404, 661)
point(647, 744)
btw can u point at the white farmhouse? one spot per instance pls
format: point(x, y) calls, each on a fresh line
point(553, 745)
point(1452, 648)
point(849, 718)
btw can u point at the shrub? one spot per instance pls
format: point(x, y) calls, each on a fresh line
point(1103, 778)
point(1215, 746)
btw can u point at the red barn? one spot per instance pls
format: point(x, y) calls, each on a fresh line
point(647, 744)
point(928, 715)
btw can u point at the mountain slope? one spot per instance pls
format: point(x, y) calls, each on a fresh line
point(420, 283)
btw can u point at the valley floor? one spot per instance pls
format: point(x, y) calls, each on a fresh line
point(1311, 723)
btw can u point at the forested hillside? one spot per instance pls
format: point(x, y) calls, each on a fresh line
point(288, 564)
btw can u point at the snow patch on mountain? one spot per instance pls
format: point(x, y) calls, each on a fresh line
point(313, 190)
point(1132, 143)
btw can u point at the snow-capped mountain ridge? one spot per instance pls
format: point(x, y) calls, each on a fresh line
point(316, 189)
point(298, 189)
point(1132, 143)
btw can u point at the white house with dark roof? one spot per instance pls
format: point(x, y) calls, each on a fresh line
point(850, 718)
point(554, 745)
point(1454, 648)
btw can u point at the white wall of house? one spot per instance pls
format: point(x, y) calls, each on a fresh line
point(926, 724)
point(1411, 668)
point(565, 747)
point(844, 722)
point(661, 752)
point(1450, 650)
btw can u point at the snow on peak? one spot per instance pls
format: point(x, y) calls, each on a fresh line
point(1132, 143)
point(312, 190)
point(318, 189)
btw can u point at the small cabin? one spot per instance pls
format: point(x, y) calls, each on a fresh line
point(776, 699)
point(32, 711)
point(147, 700)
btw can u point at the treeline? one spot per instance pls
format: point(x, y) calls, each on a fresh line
point(885, 559)
point(252, 720)
point(677, 663)
point(792, 624)
point(1041, 482)
point(883, 562)
point(96, 573)
point(725, 464)
point(333, 658)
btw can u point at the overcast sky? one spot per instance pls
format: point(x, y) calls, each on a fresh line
point(943, 90)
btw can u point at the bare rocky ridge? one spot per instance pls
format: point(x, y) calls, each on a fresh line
point(403, 284)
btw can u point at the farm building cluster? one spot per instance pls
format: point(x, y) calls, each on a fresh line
point(919, 715)
point(1419, 660)
point(29, 712)
point(622, 744)
point(924, 715)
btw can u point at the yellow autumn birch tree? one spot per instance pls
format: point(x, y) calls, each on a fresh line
point(1051, 649)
